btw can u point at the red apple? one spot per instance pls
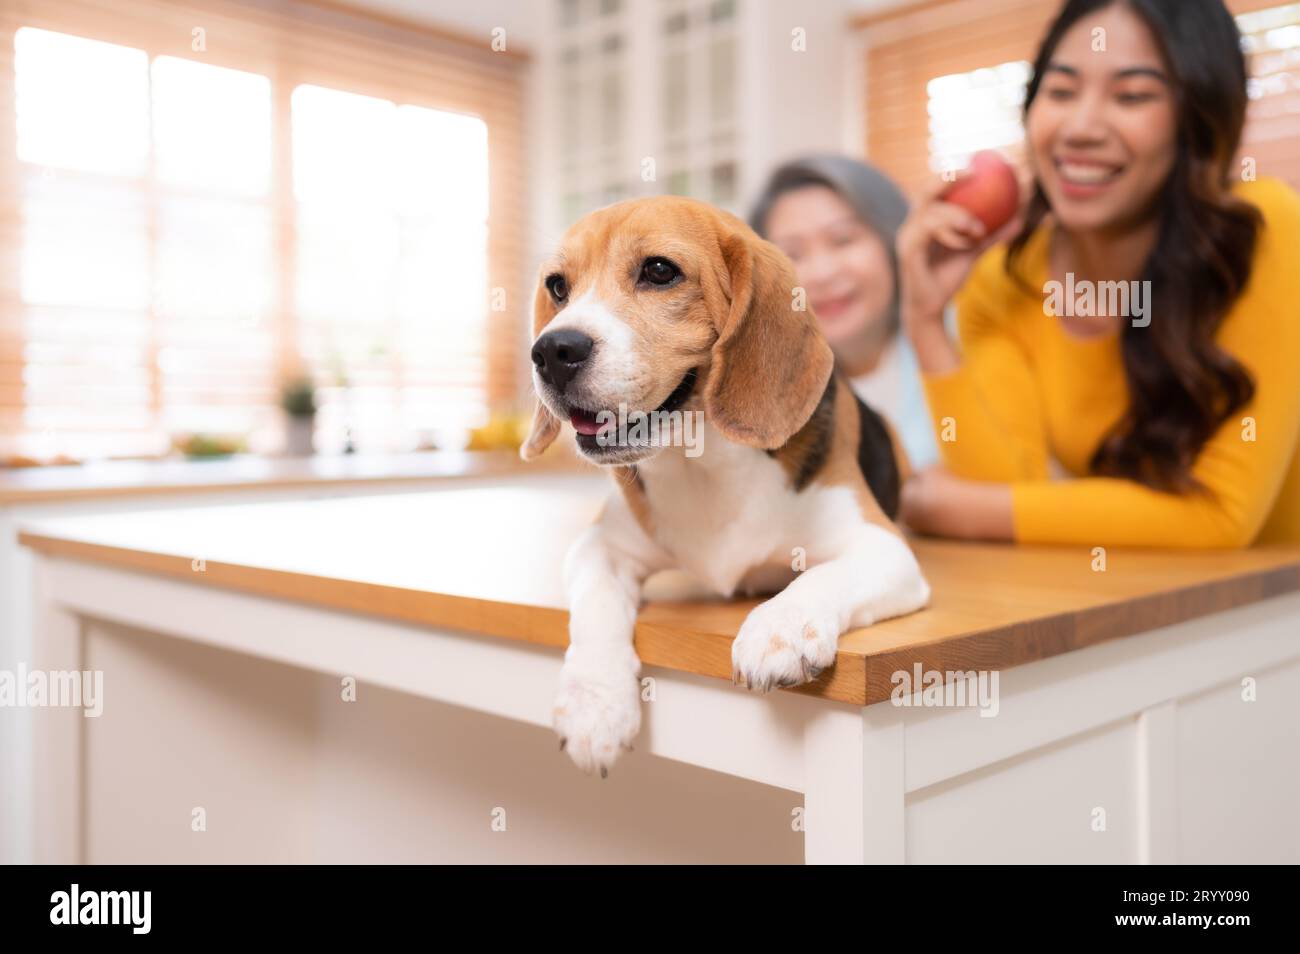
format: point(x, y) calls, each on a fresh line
point(989, 190)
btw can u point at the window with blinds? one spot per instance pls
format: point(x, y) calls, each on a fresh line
point(185, 235)
point(946, 78)
point(1271, 38)
point(391, 277)
point(977, 110)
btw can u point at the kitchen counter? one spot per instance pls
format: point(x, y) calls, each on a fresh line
point(177, 484)
point(177, 475)
point(1105, 663)
point(994, 606)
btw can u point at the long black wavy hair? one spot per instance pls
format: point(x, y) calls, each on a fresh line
point(1182, 386)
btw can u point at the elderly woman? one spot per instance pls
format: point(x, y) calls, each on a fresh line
point(836, 218)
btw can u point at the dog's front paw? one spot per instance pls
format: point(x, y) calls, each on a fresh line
point(782, 643)
point(597, 712)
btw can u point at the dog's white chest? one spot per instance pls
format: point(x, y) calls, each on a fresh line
point(721, 514)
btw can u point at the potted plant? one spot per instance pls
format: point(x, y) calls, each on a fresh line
point(298, 401)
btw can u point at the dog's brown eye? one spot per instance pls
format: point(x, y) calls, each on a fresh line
point(557, 286)
point(659, 271)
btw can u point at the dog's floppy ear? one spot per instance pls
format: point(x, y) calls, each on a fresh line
point(545, 427)
point(545, 424)
point(770, 364)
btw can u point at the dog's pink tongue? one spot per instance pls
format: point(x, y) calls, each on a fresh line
point(584, 422)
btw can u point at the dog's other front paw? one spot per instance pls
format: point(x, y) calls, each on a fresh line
point(597, 711)
point(781, 644)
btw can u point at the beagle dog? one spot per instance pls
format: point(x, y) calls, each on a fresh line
point(666, 307)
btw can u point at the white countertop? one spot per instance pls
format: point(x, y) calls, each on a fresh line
point(475, 542)
point(128, 477)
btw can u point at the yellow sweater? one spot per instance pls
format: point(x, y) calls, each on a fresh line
point(1028, 391)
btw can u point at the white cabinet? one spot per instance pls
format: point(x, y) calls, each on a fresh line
point(690, 97)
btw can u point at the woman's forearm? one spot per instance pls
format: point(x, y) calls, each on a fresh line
point(939, 503)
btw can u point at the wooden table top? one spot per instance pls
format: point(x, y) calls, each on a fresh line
point(488, 561)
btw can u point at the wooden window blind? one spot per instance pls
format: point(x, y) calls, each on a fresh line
point(910, 46)
point(1271, 34)
point(200, 200)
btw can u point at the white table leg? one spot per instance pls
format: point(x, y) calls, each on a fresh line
point(853, 790)
point(57, 748)
point(1157, 778)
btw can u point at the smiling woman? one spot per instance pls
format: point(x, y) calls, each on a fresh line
point(1134, 113)
point(836, 219)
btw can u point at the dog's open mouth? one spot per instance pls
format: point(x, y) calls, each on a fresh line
point(599, 430)
point(585, 423)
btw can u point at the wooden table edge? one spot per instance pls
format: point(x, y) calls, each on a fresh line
point(858, 677)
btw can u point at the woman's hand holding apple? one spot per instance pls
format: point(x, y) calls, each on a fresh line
point(949, 227)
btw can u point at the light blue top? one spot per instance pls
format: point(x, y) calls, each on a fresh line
point(894, 390)
point(915, 429)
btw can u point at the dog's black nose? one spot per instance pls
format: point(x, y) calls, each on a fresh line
point(559, 356)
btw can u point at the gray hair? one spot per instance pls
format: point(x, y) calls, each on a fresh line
point(872, 195)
